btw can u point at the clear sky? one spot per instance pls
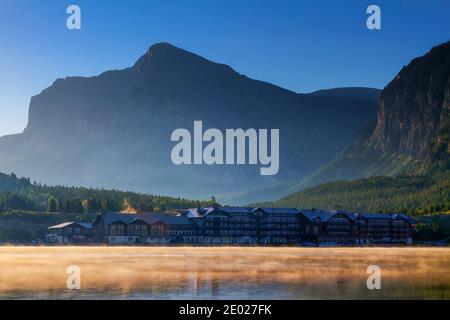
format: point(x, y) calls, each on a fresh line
point(300, 45)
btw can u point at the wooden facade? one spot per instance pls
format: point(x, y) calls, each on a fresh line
point(71, 232)
point(240, 225)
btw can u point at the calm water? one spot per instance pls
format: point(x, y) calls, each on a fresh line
point(223, 273)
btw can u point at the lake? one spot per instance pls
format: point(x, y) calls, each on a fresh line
point(224, 273)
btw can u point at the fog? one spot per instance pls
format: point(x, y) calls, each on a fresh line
point(226, 272)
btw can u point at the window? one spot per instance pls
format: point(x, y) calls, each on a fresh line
point(157, 229)
point(117, 229)
point(316, 230)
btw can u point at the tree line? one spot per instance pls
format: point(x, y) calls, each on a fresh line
point(21, 194)
point(414, 195)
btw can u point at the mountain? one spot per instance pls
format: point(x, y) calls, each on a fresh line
point(409, 146)
point(113, 130)
point(415, 107)
point(412, 132)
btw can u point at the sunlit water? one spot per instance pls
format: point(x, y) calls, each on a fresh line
point(223, 273)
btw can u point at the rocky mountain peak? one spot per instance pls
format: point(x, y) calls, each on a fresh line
point(414, 107)
point(166, 57)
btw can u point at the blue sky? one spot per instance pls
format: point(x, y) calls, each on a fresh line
point(300, 45)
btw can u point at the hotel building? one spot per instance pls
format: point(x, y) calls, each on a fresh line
point(241, 225)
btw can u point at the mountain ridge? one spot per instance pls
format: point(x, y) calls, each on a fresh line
point(113, 130)
point(412, 128)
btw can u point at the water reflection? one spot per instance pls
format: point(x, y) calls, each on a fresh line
point(223, 273)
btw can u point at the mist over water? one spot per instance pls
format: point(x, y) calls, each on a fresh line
point(223, 273)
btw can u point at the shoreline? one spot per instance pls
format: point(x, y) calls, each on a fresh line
point(106, 245)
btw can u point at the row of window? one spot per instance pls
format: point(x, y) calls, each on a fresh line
point(246, 229)
point(252, 219)
point(251, 226)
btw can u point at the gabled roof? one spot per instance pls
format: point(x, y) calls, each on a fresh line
point(375, 215)
point(164, 218)
point(234, 209)
point(405, 217)
point(320, 215)
point(197, 212)
point(112, 217)
point(192, 213)
point(61, 225)
point(66, 224)
point(246, 210)
point(386, 216)
point(86, 225)
point(277, 210)
point(150, 218)
point(313, 215)
point(326, 215)
point(350, 215)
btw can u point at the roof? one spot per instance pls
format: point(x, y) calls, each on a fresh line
point(386, 216)
point(325, 215)
point(233, 210)
point(197, 212)
point(375, 215)
point(60, 226)
point(277, 210)
point(112, 217)
point(66, 224)
point(150, 218)
point(321, 215)
point(165, 218)
point(240, 210)
point(191, 215)
point(406, 218)
point(86, 225)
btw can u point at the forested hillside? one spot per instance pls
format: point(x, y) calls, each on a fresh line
point(411, 194)
point(21, 194)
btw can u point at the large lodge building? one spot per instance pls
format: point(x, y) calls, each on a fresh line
point(240, 225)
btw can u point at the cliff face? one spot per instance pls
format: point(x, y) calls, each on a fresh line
point(412, 133)
point(414, 107)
